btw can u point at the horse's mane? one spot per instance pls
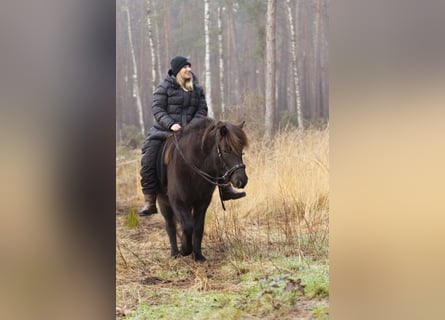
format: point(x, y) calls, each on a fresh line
point(209, 131)
point(232, 136)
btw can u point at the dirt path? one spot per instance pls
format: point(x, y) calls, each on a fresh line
point(147, 276)
point(144, 251)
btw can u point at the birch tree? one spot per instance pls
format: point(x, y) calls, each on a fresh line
point(229, 63)
point(270, 70)
point(136, 93)
point(166, 9)
point(221, 61)
point(208, 82)
point(295, 71)
point(237, 61)
point(158, 53)
point(150, 44)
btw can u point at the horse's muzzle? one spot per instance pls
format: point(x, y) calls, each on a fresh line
point(239, 179)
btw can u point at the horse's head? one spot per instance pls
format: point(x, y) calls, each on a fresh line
point(229, 142)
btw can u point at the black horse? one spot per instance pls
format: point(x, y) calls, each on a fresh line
point(204, 154)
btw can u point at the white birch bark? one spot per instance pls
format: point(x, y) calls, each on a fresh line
point(221, 61)
point(270, 70)
point(150, 44)
point(166, 10)
point(208, 74)
point(158, 54)
point(229, 68)
point(136, 93)
point(295, 66)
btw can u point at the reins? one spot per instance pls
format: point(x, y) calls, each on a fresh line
point(209, 178)
point(204, 175)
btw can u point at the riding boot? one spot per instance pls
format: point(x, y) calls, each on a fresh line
point(149, 206)
point(228, 193)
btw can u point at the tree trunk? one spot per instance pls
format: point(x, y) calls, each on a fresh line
point(229, 52)
point(304, 44)
point(317, 58)
point(232, 61)
point(150, 44)
point(158, 54)
point(208, 75)
point(270, 70)
point(296, 79)
point(136, 93)
point(221, 62)
point(167, 31)
point(323, 64)
point(235, 81)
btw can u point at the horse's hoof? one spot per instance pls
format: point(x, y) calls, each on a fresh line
point(175, 254)
point(199, 258)
point(185, 252)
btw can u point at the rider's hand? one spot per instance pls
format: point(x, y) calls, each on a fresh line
point(175, 127)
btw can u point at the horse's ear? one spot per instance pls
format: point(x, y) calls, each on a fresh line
point(242, 124)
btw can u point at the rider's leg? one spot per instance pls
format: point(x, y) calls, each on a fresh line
point(149, 179)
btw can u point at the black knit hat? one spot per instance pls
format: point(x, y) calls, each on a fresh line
point(177, 63)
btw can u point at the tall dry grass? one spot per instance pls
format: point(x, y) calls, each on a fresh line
point(286, 210)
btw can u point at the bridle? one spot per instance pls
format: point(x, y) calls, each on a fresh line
point(228, 172)
point(217, 181)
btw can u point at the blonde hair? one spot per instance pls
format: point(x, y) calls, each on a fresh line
point(185, 84)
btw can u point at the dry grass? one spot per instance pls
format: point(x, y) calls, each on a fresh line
point(285, 214)
point(288, 198)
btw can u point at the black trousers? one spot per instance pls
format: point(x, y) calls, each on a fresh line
point(149, 179)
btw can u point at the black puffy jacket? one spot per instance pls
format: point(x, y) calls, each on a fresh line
point(171, 104)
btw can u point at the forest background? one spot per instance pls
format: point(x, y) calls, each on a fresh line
point(227, 43)
point(263, 62)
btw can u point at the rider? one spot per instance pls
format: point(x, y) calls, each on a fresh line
point(176, 101)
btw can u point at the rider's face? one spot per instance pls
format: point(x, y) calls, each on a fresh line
point(186, 72)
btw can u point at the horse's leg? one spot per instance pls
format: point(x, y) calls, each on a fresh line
point(183, 214)
point(170, 226)
point(187, 233)
point(198, 232)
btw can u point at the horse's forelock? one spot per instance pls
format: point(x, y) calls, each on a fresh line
point(235, 138)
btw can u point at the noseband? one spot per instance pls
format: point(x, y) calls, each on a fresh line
point(229, 172)
point(218, 181)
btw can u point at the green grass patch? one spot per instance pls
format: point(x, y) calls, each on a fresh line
point(187, 304)
point(316, 278)
point(320, 312)
point(277, 287)
point(132, 219)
